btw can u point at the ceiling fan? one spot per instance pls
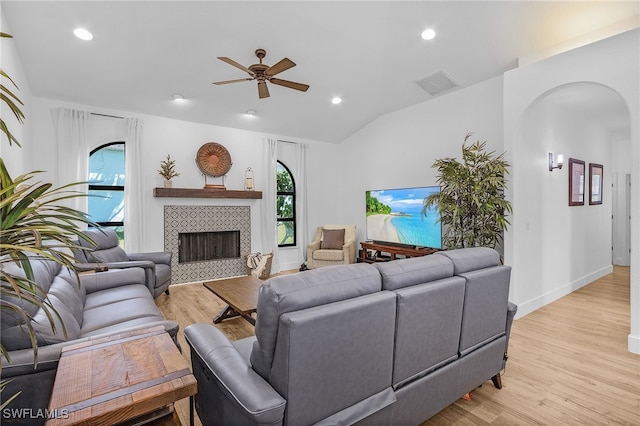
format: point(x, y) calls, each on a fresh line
point(264, 73)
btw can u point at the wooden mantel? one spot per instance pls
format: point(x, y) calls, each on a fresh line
point(206, 193)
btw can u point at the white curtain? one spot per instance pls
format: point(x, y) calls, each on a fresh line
point(72, 153)
point(300, 177)
point(133, 200)
point(269, 222)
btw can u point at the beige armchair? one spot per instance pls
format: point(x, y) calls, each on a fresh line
point(333, 245)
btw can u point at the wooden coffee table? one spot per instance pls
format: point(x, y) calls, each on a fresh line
point(120, 378)
point(240, 294)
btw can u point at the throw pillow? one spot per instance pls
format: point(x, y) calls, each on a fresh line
point(332, 239)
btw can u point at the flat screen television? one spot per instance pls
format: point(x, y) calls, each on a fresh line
point(395, 216)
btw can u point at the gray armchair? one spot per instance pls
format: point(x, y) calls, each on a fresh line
point(103, 250)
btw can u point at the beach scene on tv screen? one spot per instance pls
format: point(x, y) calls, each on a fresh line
point(395, 216)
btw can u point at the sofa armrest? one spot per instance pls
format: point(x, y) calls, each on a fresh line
point(115, 265)
point(315, 245)
point(241, 395)
point(148, 267)
point(512, 308)
point(162, 257)
point(311, 248)
point(113, 278)
point(22, 361)
point(349, 252)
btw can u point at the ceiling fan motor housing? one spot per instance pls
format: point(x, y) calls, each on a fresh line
point(261, 53)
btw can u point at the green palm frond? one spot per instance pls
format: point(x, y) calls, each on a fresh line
point(12, 101)
point(471, 199)
point(35, 225)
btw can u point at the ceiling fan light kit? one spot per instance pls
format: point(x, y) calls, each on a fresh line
point(263, 73)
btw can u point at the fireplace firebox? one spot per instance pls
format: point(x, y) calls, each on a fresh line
point(200, 246)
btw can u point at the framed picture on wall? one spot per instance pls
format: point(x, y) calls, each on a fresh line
point(595, 183)
point(576, 182)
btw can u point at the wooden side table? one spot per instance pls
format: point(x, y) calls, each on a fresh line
point(120, 378)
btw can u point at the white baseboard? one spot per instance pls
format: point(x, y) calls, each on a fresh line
point(634, 344)
point(290, 266)
point(538, 302)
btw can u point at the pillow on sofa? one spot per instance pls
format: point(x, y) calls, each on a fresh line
point(332, 239)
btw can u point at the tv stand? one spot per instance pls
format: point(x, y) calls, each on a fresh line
point(381, 252)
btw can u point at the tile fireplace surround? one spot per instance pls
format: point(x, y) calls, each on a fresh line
point(178, 219)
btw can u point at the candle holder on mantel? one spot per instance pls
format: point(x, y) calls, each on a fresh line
point(248, 179)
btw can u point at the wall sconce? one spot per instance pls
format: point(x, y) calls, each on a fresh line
point(558, 165)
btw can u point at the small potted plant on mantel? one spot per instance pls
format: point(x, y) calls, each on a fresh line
point(168, 171)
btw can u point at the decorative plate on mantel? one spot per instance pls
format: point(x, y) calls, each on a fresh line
point(213, 159)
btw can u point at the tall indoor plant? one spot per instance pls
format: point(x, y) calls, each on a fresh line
point(33, 224)
point(471, 200)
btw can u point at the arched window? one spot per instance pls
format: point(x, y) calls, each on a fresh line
point(285, 206)
point(106, 187)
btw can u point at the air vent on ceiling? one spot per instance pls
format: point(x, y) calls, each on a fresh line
point(437, 82)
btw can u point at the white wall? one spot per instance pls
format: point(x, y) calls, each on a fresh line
point(180, 139)
point(529, 244)
point(567, 247)
point(398, 149)
point(15, 158)
point(621, 168)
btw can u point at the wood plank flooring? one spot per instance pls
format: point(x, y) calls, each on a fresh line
point(568, 362)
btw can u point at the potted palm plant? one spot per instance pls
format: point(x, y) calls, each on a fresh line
point(471, 200)
point(33, 224)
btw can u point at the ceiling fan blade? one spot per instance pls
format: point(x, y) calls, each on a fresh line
point(232, 81)
point(290, 84)
point(263, 91)
point(237, 65)
point(283, 65)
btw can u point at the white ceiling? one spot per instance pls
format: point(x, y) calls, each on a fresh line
point(369, 53)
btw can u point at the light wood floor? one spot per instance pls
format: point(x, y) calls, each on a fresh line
point(568, 362)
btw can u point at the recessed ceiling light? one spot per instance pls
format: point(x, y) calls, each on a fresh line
point(251, 112)
point(428, 34)
point(83, 34)
point(336, 100)
point(178, 98)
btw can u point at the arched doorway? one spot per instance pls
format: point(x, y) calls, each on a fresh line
point(569, 119)
point(559, 248)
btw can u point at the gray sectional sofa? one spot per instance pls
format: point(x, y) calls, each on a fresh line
point(384, 344)
point(104, 303)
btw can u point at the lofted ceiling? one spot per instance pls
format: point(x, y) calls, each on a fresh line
point(368, 53)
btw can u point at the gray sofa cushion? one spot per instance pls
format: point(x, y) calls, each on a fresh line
point(106, 247)
point(121, 307)
point(485, 306)
point(428, 326)
point(470, 259)
point(345, 366)
point(113, 254)
point(65, 297)
point(416, 270)
point(287, 293)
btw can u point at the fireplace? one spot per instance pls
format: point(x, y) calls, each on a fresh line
point(229, 227)
point(199, 246)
